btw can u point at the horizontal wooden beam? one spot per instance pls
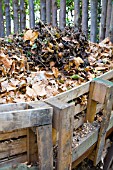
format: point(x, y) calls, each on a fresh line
point(34, 115)
point(79, 90)
point(88, 141)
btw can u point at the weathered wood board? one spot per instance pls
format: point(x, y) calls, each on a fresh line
point(89, 141)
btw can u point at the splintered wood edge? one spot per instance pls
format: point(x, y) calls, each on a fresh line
point(89, 141)
point(78, 91)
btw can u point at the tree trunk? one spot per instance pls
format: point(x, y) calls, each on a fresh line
point(2, 34)
point(22, 15)
point(93, 33)
point(103, 20)
point(62, 19)
point(43, 10)
point(16, 16)
point(76, 14)
point(85, 17)
point(108, 19)
point(31, 14)
point(111, 26)
point(54, 13)
point(8, 19)
point(48, 11)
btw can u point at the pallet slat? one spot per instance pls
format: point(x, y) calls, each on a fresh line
point(89, 141)
point(13, 147)
point(13, 134)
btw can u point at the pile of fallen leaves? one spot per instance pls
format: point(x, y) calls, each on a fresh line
point(44, 62)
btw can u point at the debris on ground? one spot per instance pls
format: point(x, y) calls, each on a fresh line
point(44, 62)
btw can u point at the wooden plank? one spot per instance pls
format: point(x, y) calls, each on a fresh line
point(78, 122)
point(19, 167)
point(91, 104)
point(22, 106)
point(45, 147)
point(13, 161)
point(14, 107)
point(104, 124)
point(13, 147)
point(64, 158)
point(88, 141)
point(32, 149)
point(78, 91)
point(25, 118)
point(14, 134)
point(82, 157)
point(85, 143)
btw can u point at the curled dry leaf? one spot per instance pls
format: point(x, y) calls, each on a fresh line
point(39, 89)
point(30, 92)
point(55, 72)
point(31, 35)
point(4, 59)
point(77, 61)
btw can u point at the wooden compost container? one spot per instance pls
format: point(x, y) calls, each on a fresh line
point(26, 136)
point(67, 116)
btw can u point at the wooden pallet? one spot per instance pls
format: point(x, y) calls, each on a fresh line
point(63, 123)
point(26, 135)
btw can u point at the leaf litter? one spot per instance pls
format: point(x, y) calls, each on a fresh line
point(38, 64)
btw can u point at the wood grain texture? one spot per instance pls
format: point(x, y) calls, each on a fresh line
point(13, 147)
point(65, 138)
point(14, 134)
point(91, 104)
point(45, 147)
point(104, 124)
point(13, 161)
point(25, 118)
point(32, 149)
point(88, 141)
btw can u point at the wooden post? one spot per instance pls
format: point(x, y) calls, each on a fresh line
point(101, 91)
point(91, 104)
point(104, 124)
point(32, 150)
point(45, 151)
point(63, 116)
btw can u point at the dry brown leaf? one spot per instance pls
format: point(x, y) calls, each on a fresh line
point(52, 63)
point(49, 75)
point(4, 59)
point(77, 61)
point(39, 89)
point(30, 92)
point(31, 35)
point(55, 72)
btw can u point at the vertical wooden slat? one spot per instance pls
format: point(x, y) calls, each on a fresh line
point(91, 104)
point(45, 149)
point(65, 138)
point(32, 150)
point(104, 124)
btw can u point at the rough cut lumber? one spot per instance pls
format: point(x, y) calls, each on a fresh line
point(13, 134)
point(63, 123)
point(13, 147)
point(32, 149)
point(45, 151)
point(17, 119)
point(108, 102)
point(14, 161)
point(88, 141)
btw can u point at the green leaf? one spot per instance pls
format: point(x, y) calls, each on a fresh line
point(75, 76)
point(34, 46)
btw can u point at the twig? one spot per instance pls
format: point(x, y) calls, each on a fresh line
point(49, 31)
